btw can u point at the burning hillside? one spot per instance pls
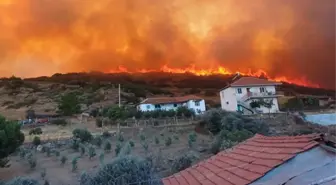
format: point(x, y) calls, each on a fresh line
point(283, 40)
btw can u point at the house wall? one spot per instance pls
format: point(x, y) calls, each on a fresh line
point(198, 109)
point(228, 99)
point(191, 104)
point(151, 107)
point(323, 102)
point(255, 89)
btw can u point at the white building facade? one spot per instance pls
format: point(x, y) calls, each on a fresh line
point(173, 103)
point(238, 96)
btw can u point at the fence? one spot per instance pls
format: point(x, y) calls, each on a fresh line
point(154, 122)
point(115, 126)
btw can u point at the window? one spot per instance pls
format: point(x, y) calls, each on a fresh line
point(197, 103)
point(148, 106)
point(239, 90)
point(157, 106)
point(262, 89)
point(175, 105)
point(227, 103)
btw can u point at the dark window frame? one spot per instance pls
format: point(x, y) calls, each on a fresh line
point(239, 90)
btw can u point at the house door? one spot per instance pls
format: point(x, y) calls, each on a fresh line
point(239, 108)
point(248, 91)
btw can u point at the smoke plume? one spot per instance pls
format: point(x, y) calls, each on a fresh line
point(284, 38)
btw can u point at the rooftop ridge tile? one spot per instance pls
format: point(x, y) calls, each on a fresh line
point(245, 162)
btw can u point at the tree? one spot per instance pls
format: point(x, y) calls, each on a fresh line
point(69, 104)
point(124, 170)
point(10, 139)
point(184, 111)
point(116, 113)
point(182, 162)
point(294, 104)
point(255, 104)
point(22, 181)
point(83, 134)
point(218, 120)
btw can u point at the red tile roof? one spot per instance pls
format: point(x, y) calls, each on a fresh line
point(162, 100)
point(252, 81)
point(244, 163)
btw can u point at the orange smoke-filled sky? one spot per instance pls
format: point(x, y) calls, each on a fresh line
point(285, 38)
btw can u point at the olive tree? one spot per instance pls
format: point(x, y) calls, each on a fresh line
point(10, 139)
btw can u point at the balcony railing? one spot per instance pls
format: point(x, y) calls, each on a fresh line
point(253, 95)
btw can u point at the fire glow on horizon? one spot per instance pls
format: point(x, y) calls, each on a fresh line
point(282, 40)
point(218, 71)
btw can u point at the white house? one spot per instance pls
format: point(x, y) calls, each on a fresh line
point(172, 103)
point(238, 96)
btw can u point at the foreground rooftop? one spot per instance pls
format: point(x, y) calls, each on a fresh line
point(263, 160)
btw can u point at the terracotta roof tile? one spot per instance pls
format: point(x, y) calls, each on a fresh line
point(200, 177)
point(244, 163)
point(190, 178)
point(207, 182)
point(162, 100)
point(166, 181)
point(256, 168)
point(180, 179)
point(247, 81)
point(233, 178)
point(267, 162)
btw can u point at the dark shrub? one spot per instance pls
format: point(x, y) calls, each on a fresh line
point(126, 149)
point(131, 142)
point(22, 181)
point(69, 104)
point(124, 170)
point(107, 146)
point(117, 149)
point(255, 104)
point(168, 141)
point(99, 122)
point(75, 144)
point(36, 141)
point(11, 138)
point(182, 162)
point(106, 134)
point(216, 145)
point(82, 134)
point(35, 131)
point(184, 111)
point(223, 141)
point(212, 120)
point(217, 120)
point(92, 152)
point(61, 122)
point(294, 104)
point(120, 137)
point(97, 141)
point(94, 112)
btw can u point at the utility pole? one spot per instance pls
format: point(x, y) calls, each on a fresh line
point(119, 107)
point(119, 95)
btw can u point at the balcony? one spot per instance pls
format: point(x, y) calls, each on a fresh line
point(258, 95)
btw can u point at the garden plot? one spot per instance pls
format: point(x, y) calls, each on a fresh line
point(63, 162)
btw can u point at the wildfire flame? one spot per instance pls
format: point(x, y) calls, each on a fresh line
point(219, 71)
point(282, 40)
